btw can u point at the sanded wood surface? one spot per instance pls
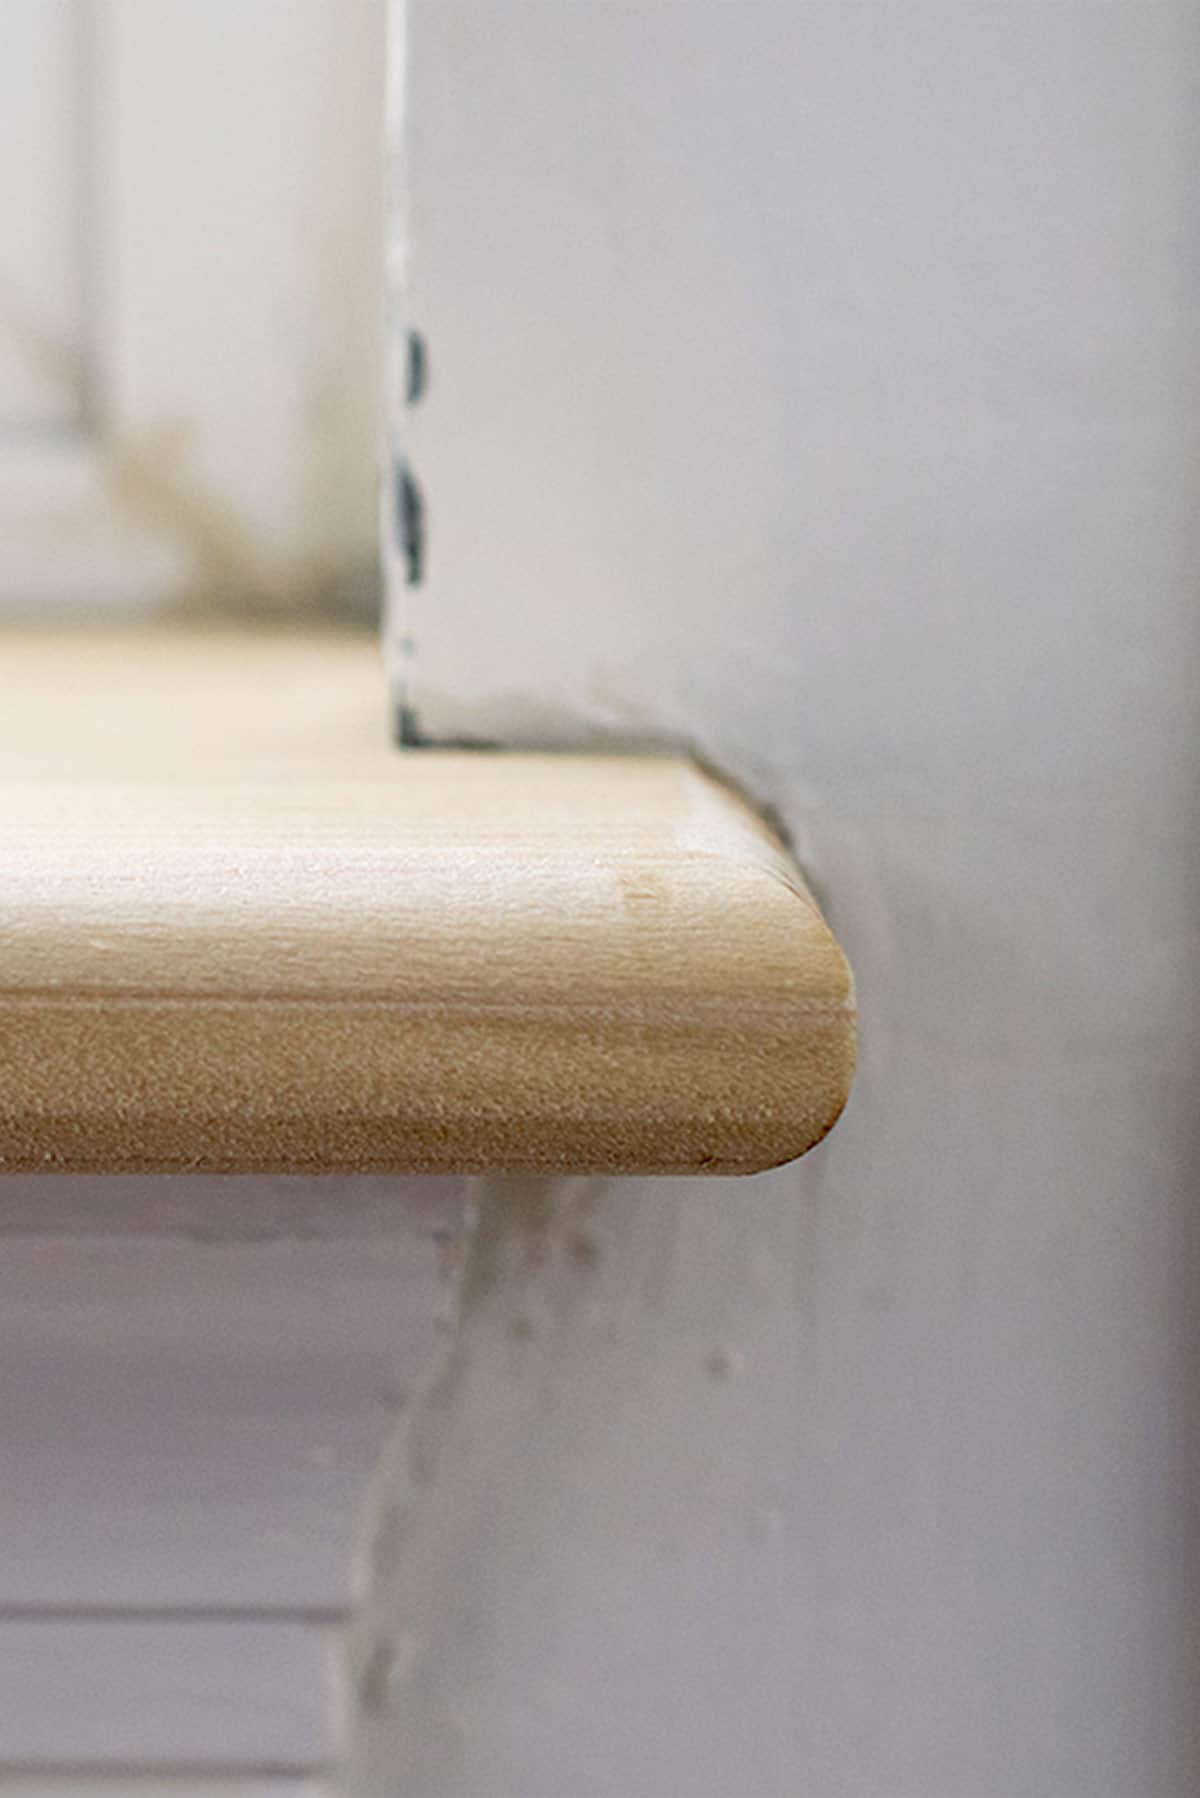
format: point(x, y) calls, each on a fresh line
point(239, 931)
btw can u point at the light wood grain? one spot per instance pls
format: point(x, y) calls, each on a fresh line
point(238, 931)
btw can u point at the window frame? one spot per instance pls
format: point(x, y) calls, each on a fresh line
point(232, 211)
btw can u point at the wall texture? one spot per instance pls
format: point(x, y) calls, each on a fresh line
point(817, 384)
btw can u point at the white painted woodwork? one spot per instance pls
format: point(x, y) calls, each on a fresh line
point(196, 1379)
point(176, 1694)
point(196, 1383)
point(206, 182)
point(817, 384)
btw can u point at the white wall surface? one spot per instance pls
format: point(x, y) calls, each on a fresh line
point(817, 383)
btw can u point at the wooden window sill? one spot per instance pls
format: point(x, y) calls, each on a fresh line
point(239, 932)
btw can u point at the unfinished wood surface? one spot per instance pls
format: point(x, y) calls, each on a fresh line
point(239, 931)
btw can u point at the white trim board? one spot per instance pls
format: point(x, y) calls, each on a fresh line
point(199, 1376)
point(240, 1695)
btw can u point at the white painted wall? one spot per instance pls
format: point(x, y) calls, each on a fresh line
point(817, 383)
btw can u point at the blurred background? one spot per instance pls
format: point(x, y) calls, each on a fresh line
point(190, 253)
